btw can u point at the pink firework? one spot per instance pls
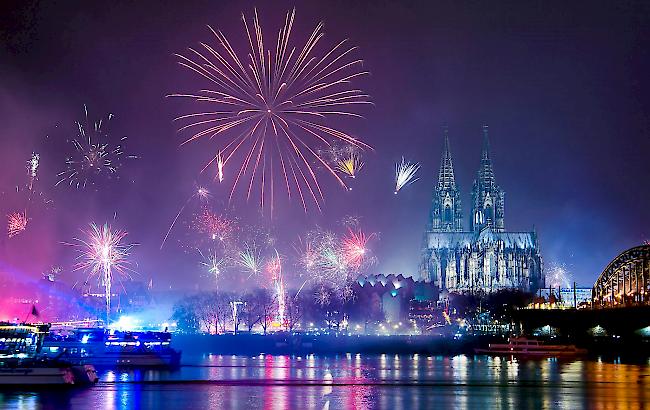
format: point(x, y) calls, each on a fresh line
point(201, 193)
point(102, 254)
point(271, 107)
point(16, 223)
point(274, 268)
point(215, 226)
point(354, 247)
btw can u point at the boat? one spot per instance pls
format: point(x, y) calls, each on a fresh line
point(109, 348)
point(21, 362)
point(521, 346)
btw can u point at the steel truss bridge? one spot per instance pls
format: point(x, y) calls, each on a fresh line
point(625, 281)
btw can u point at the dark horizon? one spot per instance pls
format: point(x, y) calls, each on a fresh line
point(562, 87)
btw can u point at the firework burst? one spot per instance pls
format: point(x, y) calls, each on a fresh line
point(405, 174)
point(214, 264)
point(103, 254)
point(271, 108)
point(16, 223)
point(354, 248)
point(326, 259)
point(350, 165)
point(200, 193)
point(559, 276)
point(94, 157)
point(250, 259)
point(217, 227)
point(322, 296)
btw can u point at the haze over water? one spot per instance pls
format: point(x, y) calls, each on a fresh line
point(358, 381)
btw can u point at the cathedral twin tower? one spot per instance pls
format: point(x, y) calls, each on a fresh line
point(486, 258)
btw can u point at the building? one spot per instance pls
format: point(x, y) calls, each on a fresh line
point(566, 297)
point(486, 257)
point(402, 299)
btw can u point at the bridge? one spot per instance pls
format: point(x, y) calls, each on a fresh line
point(620, 302)
point(625, 281)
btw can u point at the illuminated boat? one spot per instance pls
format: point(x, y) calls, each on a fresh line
point(521, 346)
point(21, 362)
point(105, 348)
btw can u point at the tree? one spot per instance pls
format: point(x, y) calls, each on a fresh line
point(366, 308)
point(250, 312)
point(184, 314)
point(293, 311)
point(267, 306)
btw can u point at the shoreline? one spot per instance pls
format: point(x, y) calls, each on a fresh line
point(287, 344)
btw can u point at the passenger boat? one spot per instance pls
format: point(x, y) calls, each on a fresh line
point(21, 362)
point(521, 346)
point(106, 348)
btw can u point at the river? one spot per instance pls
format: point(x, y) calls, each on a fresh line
point(357, 381)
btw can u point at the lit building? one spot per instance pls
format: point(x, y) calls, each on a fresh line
point(486, 257)
point(567, 297)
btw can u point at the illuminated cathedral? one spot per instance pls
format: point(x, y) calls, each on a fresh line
point(485, 258)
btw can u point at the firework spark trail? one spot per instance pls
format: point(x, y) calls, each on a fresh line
point(220, 167)
point(103, 253)
point(250, 260)
point(93, 155)
point(214, 264)
point(404, 174)
point(274, 107)
point(274, 268)
point(354, 247)
point(16, 223)
point(201, 193)
point(350, 165)
point(32, 169)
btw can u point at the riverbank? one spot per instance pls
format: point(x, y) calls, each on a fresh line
point(285, 343)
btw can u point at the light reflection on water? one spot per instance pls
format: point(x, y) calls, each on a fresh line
point(357, 381)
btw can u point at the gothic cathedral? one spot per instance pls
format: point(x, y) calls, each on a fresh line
point(486, 258)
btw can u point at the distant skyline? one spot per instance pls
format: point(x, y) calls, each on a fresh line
point(564, 89)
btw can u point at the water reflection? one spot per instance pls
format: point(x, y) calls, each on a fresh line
point(357, 381)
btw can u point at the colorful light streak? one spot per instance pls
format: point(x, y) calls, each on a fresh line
point(16, 223)
point(201, 193)
point(272, 107)
point(405, 174)
point(103, 253)
point(93, 156)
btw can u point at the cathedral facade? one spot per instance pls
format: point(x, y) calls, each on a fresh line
point(485, 258)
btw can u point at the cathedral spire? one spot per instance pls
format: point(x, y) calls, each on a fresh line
point(485, 172)
point(446, 179)
point(487, 197)
point(446, 214)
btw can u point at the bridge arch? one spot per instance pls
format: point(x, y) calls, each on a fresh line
point(625, 281)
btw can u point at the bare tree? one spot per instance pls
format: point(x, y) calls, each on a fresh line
point(267, 306)
point(293, 311)
point(250, 311)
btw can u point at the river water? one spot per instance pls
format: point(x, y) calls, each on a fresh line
point(359, 382)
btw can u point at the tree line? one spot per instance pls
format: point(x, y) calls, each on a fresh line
point(258, 310)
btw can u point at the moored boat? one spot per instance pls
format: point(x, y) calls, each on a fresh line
point(105, 348)
point(521, 346)
point(21, 363)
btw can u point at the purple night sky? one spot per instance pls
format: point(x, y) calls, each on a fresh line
point(563, 87)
